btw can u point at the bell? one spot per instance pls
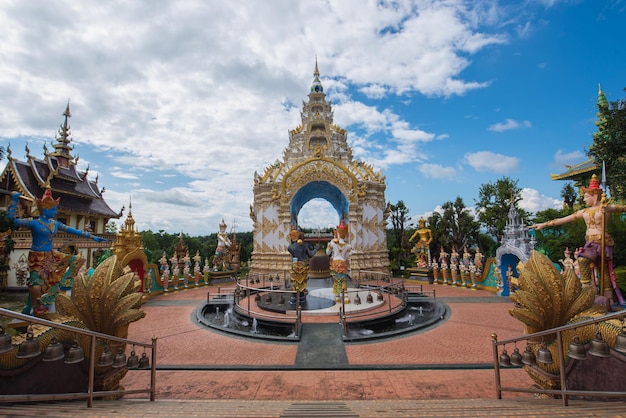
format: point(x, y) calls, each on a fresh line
point(28, 348)
point(281, 299)
point(505, 360)
point(576, 349)
point(620, 342)
point(5, 341)
point(598, 347)
point(75, 354)
point(380, 296)
point(544, 355)
point(133, 361)
point(516, 357)
point(120, 359)
point(268, 299)
point(528, 358)
point(370, 298)
point(54, 351)
point(357, 299)
point(257, 297)
point(106, 358)
point(144, 362)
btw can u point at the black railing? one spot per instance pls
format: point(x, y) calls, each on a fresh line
point(563, 392)
point(91, 393)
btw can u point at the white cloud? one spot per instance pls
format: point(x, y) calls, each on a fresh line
point(563, 160)
point(199, 95)
point(508, 125)
point(487, 161)
point(318, 213)
point(534, 202)
point(437, 171)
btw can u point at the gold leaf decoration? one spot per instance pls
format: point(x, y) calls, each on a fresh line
point(548, 299)
point(105, 301)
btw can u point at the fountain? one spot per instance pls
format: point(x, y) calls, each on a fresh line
point(394, 312)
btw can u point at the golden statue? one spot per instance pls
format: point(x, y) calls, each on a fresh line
point(425, 238)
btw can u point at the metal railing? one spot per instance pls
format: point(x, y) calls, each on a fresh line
point(563, 392)
point(91, 393)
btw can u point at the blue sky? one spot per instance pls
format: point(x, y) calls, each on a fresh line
point(176, 104)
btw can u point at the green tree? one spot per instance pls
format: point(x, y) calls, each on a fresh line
point(569, 195)
point(399, 246)
point(493, 204)
point(110, 228)
point(459, 223)
point(609, 143)
point(553, 241)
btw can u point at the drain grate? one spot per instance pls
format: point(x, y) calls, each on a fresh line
point(317, 409)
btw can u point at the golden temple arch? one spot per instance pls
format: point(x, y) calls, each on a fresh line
point(318, 163)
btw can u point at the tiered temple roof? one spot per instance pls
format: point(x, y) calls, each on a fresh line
point(58, 169)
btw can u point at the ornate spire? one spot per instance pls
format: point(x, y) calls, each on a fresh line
point(62, 148)
point(316, 86)
point(130, 222)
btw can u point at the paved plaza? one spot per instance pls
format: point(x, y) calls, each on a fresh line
point(452, 360)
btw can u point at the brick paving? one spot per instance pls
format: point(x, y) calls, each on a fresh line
point(449, 361)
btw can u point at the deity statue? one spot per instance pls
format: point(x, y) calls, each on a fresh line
point(47, 266)
point(186, 270)
point(196, 268)
point(596, 215)
point(223, 242)
point(454, 257)
point(165, 271)
point(175, 271)
point(467, 257)
point(340, 251)
point(443, 256)
point(300, 252)
point(510, 278)
point(568, 262)
point(478, 260)
point(422, 246)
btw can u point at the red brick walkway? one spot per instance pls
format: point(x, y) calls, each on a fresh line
point(445, 362)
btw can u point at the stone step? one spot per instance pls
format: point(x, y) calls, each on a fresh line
point(518, 407)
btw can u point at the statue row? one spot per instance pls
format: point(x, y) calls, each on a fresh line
point(176, 273)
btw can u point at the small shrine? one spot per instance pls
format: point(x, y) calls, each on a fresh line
point(516, 246)
point(318, 163)
point(130, 252)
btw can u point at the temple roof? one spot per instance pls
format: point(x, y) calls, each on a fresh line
point(57, 169)
point(580, 171)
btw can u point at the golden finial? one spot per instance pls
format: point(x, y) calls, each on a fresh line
point(317, 71)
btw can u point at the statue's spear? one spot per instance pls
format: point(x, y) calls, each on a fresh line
point(604, 202)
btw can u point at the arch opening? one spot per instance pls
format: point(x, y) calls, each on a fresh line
point(316, 192)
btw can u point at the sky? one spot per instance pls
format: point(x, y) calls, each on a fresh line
point(175, 104)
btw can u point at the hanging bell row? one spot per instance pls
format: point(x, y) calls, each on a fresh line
point(598, 347)
point(29, 348)
point(526, 358)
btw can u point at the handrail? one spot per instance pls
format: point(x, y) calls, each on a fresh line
point(563, 392)
point(90, 394)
